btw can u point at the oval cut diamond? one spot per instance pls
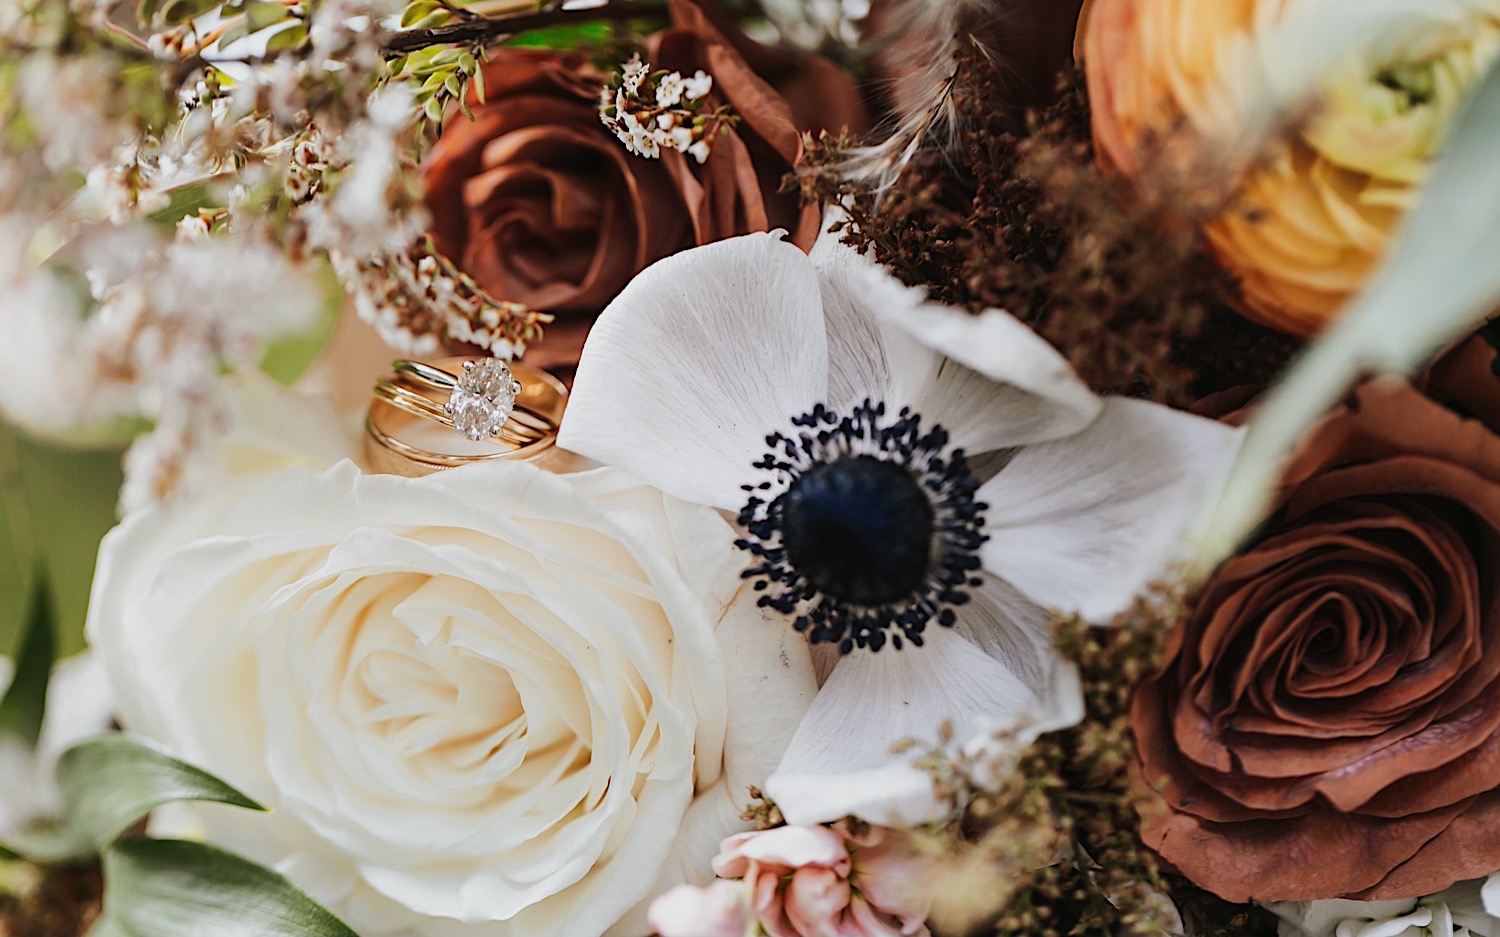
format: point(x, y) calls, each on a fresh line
point(482, 399)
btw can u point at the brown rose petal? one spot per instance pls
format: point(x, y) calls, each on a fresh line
point(540, 203)
point(1464, 849)
point(1327, 721)
point(1466, 379)
point(1291, 859)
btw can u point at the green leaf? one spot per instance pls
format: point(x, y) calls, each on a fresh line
point(235, 33)
point(290, 355)
point(586, 35)
point(55, 505)
point(186, 200)
point(1439, 281)
point(174, 888)
point(25, 700)
point(110, 782)
point(263, 13)
point(417, 11)
point(108, 785)
point(180, 11)
point(290, 38)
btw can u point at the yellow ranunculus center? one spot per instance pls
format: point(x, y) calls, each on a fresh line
point(1389, 118)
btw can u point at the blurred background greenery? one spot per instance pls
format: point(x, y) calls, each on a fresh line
point(57, 502)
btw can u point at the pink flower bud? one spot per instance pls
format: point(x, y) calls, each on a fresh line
point(719, 910)
point(828, 881)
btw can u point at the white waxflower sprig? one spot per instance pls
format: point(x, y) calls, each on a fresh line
point(652, 111)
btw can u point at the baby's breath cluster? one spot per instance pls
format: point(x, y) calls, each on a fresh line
point(178, 176)
point(415, 296)
point(652, 111)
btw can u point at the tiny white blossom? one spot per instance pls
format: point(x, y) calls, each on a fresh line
point(669, 90)
point(699, 151)
point(192, 228)
point(697, 86)
point(646, 144)
point(634, 73)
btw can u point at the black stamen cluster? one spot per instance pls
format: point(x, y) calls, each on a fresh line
point(872, 528)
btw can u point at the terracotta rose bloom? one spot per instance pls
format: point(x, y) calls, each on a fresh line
point(1315, 218)
point(1327, 719)
point(543, 206)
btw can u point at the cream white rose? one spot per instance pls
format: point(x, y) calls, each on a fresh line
point(493, 701)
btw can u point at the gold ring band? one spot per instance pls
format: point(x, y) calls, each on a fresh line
point(439, 379)
point(400, 408)
point(404, 398)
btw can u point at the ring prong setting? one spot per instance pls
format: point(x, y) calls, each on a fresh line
point(482, 398)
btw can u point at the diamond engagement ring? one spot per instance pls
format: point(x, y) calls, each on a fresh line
point(493, 409)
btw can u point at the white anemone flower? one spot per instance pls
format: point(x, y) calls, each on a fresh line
point(916, 487)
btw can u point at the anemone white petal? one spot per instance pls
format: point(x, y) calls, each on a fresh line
point(1083, 524)
point(857, 368)
point(1013, 630)
point(840, 761)
point(696, 360)
point(989, 379)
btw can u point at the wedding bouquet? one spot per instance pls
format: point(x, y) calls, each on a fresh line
point(715, 468)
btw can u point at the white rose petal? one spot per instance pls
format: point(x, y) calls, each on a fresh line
point(478, 703)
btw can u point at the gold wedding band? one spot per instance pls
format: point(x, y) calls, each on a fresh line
point(494, 409)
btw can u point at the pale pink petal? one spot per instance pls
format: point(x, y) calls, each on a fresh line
point(815, 899)
point(719, 910)
point(791, 846)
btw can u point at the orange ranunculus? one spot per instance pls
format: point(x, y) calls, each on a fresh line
point(1314, 219)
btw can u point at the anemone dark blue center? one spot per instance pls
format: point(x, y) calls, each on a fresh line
point(859, 529)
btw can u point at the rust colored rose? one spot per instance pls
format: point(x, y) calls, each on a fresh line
point(1315, 218)
point(1326, 722)
point(543, 206)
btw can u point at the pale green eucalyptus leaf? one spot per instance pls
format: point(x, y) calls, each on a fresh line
point(1440, 280)
point(175, 888)
point(108, 785)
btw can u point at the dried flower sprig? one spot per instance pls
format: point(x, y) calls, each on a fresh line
point(1027, 222)
point(418, 296)
point(652, 111)
point(280, 137)
point(1047, 844)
